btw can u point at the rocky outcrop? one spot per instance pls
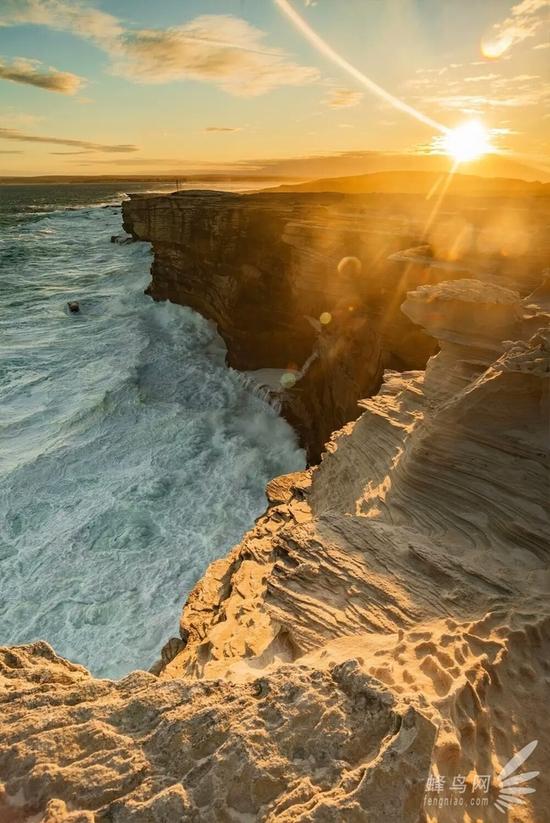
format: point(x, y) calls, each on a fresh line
point(300, 283)
point(400, 490)
point(312, 283)
point(79, 749)
point(386, 621)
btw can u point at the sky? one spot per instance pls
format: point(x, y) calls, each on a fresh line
point(137, 87)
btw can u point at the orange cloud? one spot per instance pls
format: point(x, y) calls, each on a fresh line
point(222, 128)
point(343, 98)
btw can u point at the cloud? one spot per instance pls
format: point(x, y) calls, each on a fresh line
point(13, 118)
point(168, 165)
point(15, 134)
point(2, 151)
point(23, 70)
point(524, 21)
point(478, 94)
point(76, 17)
point(222, 128)
point(343, 98)
point(479, 78)
point(137, 161)
point(220, 49)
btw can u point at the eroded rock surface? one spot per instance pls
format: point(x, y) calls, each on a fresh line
point(388, 616)
point(421, 539)
point(79, 749)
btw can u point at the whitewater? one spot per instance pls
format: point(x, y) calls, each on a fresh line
point(131, 456)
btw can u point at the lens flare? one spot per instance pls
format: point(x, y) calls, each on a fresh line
point(494, 48)
point(325, 49)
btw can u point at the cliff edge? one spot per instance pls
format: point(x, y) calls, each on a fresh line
point(305, 288)
point(385, 624)
point(301, 285)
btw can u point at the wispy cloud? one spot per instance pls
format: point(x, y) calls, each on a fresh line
point(3, 151)
point(30, 72)
point(219, 49)
point(168, 165)
point(343, 98)
point(16, 119)
point(137, 161)
point(524, 21)
point(15, 134)
point(479, 93)
point(61, 15)
point(222, 128)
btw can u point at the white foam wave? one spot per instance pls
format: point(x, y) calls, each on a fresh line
point(131, 456)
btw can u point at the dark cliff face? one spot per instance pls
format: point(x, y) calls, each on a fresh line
point(300, 282)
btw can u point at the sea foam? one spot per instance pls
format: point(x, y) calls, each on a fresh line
point(131, 456)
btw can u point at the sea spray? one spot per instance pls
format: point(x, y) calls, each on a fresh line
point(131, 456)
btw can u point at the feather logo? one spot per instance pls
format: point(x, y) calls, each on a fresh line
point(511, 791)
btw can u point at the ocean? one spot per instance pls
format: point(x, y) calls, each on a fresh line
point(131, 456)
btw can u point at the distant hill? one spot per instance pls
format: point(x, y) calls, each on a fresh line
point(345, 164)
point(421, 182)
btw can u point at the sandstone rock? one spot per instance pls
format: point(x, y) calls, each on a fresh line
point(421, 546)
point(268, 267)
point(387, 616)
point(77, 749)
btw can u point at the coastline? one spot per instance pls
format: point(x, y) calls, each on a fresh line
point(374, 593)
point(308, 283)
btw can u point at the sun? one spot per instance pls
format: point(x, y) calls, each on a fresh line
point(467, 142)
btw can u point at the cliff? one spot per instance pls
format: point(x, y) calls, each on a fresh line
point(301, 284)
point(311, 284)
point(388, 616)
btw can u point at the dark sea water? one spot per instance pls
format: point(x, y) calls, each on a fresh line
point(130, 455)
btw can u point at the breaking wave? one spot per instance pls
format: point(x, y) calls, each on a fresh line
point(131, 456)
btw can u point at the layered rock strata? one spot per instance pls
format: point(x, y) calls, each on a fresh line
point(311, 283)
point(300, 283)
point(386, 621)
